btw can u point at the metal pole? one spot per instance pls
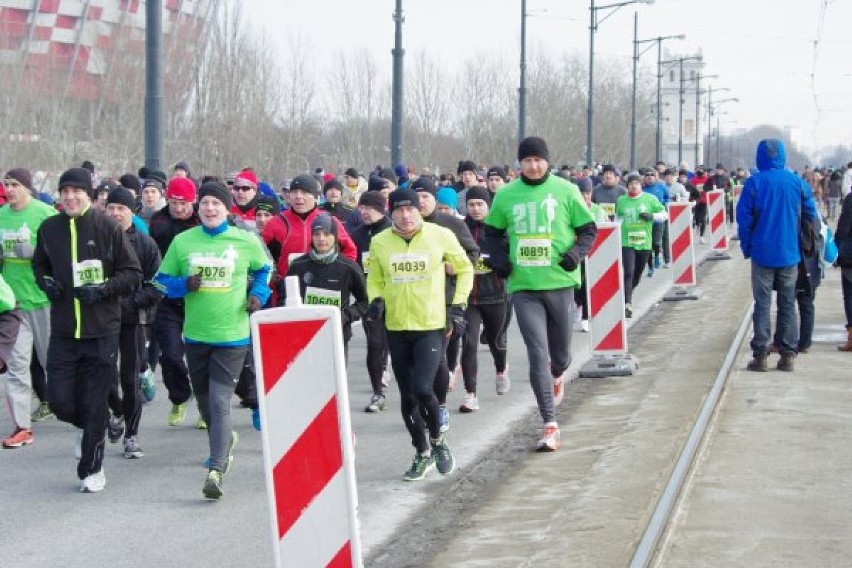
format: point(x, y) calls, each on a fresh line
point(154, 85)
point(522, 90)
point(633, 98)
point(590, 111)
point(397, 100)
point(697, 121)
point(680, 115)
point(709, 125)
point(659, 99)
point(718, 136)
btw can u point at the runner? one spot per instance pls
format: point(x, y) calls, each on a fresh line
point(660, 231)
point(637, 211)
point(210, 267)
point(19, 224)
point(486, 308)
point(405, 283)
point(137, 308)
point(550, 231)
point(607, 192)
point(84, 263)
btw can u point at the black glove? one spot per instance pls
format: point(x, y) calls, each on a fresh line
point(501, 270)
point(377, 309)
point(345, 318)
point(455, 318)
point(253, 304)
point(52, 289)
point(90, 293)
point(570, 261)
point(646, 216)
point(193, 283)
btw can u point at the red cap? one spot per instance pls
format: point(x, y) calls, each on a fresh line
point(328, 177)
point(247, 176)
point(182, 189)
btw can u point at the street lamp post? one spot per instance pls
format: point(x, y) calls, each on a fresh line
point(698, 79)
point(593, 27)
point(522, 89)
point(710, 91)
point(397, 100)
point(718, 124)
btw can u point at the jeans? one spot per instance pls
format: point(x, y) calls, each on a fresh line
point(846, 286)
point(783, 281)
point(832, 203)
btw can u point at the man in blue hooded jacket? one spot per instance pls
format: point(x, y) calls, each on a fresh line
point(768, 216)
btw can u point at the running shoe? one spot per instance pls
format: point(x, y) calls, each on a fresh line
point(213, 485)
point(20, 437)
point(584, 326)
point(229, 457)
point(200, 424)
point(42, 413)
point(628, 311)
point(502, 382)
point(667, 264)
point(178, 414)
point(255, 418)
point(377, 403)
point(132, 450)
point(94, 483)
point(115, 428)
point(656, 261)
point(650, 272)
point(470, 404)
point(549, 441)
point(419, 468)
point(442, 456)
point(146, 383)
point(558, 390)
point(702, 241)
point(443, 419)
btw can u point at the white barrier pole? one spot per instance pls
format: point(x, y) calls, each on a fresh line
point(718, 226)
point(682, 253)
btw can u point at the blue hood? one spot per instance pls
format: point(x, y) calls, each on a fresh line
point(771, 155)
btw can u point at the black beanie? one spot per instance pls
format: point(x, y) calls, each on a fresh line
point(496, 171)
point(351, 172)
point(585, 185)
point(375, 200)
point(533, 146)
point(425, 184)
point(403, 197)
point(144, 172)
point(217, 190)
point(466, 166)
point(267, 203)
point(123, 196)
point(331, 184)
point(130, 181)
point(376, 183)
point(324, 222)
point(155, 183)
point(305, 182)
point(77, 177)
point(478, 192)
point(22, 176)
point(634, 177)
point(87, 165)
point(388, 174)
point(158, 175)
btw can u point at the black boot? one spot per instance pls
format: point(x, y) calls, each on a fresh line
point(786, 362)
point(758, 364)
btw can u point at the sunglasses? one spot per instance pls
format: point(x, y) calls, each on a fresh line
point(243, 187)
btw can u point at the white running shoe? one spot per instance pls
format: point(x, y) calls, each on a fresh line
point(95, 483)
point(502, 381)
point(471, 403)
point(584, 325)
point(550, 438)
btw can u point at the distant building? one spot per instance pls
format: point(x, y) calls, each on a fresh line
point(693, 123)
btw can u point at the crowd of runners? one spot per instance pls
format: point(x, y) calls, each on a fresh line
point(153, 270)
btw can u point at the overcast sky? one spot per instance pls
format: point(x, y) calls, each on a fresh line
point(763, 50)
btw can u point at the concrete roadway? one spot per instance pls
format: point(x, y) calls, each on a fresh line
point(152, 511)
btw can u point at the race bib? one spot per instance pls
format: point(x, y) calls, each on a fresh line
point(88, 272)
point(365, 261)
point(409, 267)
point(480, 267)
point(215, 273)
point(16, 244)
point(322, 297)
point(609, 209)
point(636, 238)
point(533, 252)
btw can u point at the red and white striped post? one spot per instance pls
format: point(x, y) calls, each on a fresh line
point(682, 252)
point(307, 436)
point(605, 297)
point(718, 226)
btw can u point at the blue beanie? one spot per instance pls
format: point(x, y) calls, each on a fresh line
point(448, 196)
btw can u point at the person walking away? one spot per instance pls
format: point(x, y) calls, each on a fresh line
point(84, 263)
point(772, 205)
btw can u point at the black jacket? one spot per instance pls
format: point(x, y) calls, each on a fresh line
point(363, 235)
point(488, 288)
point(465, 239)
point(139, 306)
point(98, 238)
point(163, 228)
point(342, 275)
point(338, 210)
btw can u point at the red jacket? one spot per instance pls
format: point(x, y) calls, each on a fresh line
point(294, 236)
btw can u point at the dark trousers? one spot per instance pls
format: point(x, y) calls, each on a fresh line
point(415, 356)
point(490, 317)
point(39, 378)
point(168, 329)
point(442, 373)
point(131, 344)
point(580, 294)
point(633, 262)
point(247, 385)
point(700, 214)
point(82, 372)
point(846, 287)
point(377, 352)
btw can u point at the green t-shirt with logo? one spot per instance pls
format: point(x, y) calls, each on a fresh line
point(539, 221)
point(18, 231)
point(636, 233)
point(216, 313)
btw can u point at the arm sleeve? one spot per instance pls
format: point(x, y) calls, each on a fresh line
point(584, 239)
point(347, 245)
point(149, 294)
point(127, 272)
point(169, 279)
point(745, 217)
point(375, 276)
point(457, 257)
point(808, 204)
point(41, 260)
point(260, 269)
point(358, 288)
